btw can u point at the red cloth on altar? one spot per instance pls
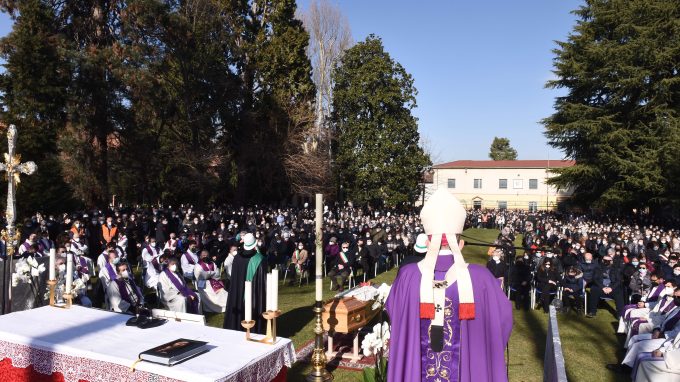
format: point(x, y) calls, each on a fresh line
point(9, 373)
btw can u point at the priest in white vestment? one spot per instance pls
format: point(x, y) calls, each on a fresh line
point(174, 293)
point(124, 295)
point(210, 287)
point(662, 365)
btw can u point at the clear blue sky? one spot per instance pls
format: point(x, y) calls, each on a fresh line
point(479, 66)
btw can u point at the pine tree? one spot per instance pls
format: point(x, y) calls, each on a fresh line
point(501, 150)
point(378, 158)
point(619, 118)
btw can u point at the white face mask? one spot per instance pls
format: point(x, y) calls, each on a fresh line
point(669, 291)
point(677, 273)
point(124, 274)
point(62, 268)
point(173, 268)
point(549, 255)
point(497, 259)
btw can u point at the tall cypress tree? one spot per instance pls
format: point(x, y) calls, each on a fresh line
point(378, 159)
point(619, 119)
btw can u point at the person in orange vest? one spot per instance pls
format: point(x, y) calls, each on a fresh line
point(109, 231)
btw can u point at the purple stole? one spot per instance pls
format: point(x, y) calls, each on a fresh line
point(215, 284)
point(112, 273)
point(83, 266)
point(156, 265)
point(654, 294)
point(666, 308)
point(185, 291)
point(670, 323)
point(189, 258)
point(124, 292)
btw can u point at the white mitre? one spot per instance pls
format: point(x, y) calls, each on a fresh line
point(444, 216)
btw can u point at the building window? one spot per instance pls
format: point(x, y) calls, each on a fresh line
point(502, 183)
point(502, 205)
point(451, 183)
point(533, 184)
point(517, 184)
point(533, 206)
point(477, 204)
point(478, 183)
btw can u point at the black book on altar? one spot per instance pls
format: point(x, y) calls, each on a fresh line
point(174, 352)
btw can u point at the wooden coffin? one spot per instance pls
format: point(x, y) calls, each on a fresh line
point(345, 315)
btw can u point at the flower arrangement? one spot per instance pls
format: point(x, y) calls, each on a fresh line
point(25, 270)
point(376, 343)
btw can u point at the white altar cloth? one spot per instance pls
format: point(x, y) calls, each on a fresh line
point(96, 345)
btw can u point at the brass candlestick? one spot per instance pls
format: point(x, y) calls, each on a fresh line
point(248, 325)
point(270, 337)
point(52, 284)
point(69, 300)
point(319, 372)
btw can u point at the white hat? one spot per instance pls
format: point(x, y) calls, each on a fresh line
point(443, 214)
point(249, 241)
point(421, 243)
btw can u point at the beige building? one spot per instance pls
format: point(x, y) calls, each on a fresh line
point(513, 184)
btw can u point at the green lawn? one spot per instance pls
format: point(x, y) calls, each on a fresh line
point(588, 344)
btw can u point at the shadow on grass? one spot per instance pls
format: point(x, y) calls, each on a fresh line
point(295, 320)
point(539, 337)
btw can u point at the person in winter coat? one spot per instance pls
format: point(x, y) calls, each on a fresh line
point(548, 280)
point(572, 288)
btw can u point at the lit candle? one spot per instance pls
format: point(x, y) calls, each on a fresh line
point(249, 301)
point(268, 303)
point(69, 272)
point(53, 254)
point(275, 290)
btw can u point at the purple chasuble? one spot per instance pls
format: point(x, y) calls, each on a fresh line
point(215, 284)
point(185, 291)
point(443, 365)
point(481, 341)
point(670, 323)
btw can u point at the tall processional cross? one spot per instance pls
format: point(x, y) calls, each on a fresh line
point(13, 167)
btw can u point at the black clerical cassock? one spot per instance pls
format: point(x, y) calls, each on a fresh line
point(249, 265)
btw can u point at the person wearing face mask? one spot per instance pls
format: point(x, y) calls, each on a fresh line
point(607, 282)
point(189, 260)
point(172, 243)
point(149, 251)
point(210, 288)
point(676, 274)
point(497, 266)
point(663, 336)
point(154, 269)
point(124, 295)
point(249, 265)
point(298, 262)
point(572, 284)
point(108, 272)
point(588, 267)
point(547, 282)
point(667, 268)
point(640, 283)
point(520, 282)
point(174, 292)
point(342, 267)
point(219, 250)
point(647, 323)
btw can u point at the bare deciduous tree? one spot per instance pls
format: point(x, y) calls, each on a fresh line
point(329, 37)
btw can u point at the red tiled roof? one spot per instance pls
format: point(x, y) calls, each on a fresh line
point(506, 164)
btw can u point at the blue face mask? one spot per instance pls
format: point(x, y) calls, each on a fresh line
point(635, 263)
point(116, 260)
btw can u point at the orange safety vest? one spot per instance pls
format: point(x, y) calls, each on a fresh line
point(107, 233)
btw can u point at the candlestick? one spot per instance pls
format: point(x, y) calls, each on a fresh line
point(249, 301)
point(69, 273)
point(319, 372)
point(275, 290)
point(53, 255)
point(52, 285)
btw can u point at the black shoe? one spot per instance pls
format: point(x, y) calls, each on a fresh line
point(590, 315)
point(618, 368)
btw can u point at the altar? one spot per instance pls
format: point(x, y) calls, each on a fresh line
point(84, 344)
